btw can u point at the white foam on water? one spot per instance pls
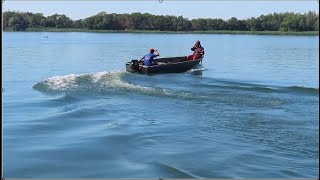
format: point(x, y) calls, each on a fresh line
point(105, 79)
point(113, 79)
point(60, 82)
point(197, 68)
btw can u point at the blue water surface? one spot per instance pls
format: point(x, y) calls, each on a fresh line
point(70, 109)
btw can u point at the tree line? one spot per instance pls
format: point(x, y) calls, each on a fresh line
point(288, 21)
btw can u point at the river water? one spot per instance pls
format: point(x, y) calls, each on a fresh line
point(70, 109)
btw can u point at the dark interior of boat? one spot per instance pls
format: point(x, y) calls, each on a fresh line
point(171, 60)
point(159, 61)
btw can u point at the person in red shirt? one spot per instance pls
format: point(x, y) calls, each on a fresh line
point(198, 51)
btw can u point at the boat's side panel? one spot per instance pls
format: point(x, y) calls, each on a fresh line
point(171, 68)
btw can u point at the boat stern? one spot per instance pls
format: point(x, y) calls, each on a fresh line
point(128, 67)
point(132, 66)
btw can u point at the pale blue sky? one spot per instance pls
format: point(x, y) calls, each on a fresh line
point(189, 9)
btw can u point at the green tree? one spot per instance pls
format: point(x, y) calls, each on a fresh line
point(199, 24)
point(89, 23)
point(62, 21)
point(269, 22)
point(222, 25)
point(6, 16)
point(293, 22)
point(123, 21)
point(77, 24)
point(254, 24)
point(17, 22)
point(50, 21)
point(35, 20)
point(233, 24)
point(311, 20)
point(288, 21)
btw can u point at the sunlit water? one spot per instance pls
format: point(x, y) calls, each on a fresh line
point(71, 110)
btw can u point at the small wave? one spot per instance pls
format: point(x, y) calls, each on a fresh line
point(245, 86)
point(177, 172)
point(196, 70)
point(273, 89)
point(302, 89)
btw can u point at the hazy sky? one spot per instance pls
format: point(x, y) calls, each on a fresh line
point(187, 8)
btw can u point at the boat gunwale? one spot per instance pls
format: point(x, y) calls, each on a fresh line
point(157, 65)
point(177, 62)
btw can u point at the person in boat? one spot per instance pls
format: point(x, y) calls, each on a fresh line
point(148, 58)
point(198, 51)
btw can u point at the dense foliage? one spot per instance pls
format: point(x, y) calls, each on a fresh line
point(20, 21)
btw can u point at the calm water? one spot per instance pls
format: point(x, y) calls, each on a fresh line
point(71, 110)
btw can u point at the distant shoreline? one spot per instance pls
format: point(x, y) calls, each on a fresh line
point(304, 33)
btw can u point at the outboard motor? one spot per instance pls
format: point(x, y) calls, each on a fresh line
point(134, 65)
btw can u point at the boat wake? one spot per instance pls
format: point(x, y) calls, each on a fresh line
point(114, 83)
point(301, 89)
point(97, 83)
point(196, 69)
point(86, 82)
point(232, 85)
point(177, 172)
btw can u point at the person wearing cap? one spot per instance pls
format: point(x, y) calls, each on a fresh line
point(148, 58)
point(198, 51)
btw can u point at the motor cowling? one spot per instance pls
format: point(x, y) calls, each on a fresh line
point(134, 65)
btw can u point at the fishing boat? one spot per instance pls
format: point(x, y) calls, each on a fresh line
point(163, 65)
